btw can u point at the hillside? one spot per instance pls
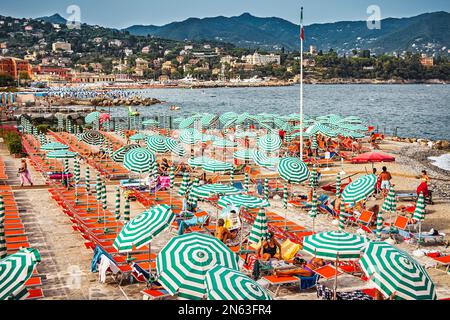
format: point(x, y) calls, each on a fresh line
point(428, 32)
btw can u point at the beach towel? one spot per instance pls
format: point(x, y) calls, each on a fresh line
point(106, 265)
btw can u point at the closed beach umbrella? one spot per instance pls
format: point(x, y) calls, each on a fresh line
point(334, 245)
point(104, 198)
point(217, 166)
point(126, 211)
point(360, 189)
point(98, 188)
point(231, 285)
point(266, 189)
point(246, 183)
point(269, 143)
point(232, 176)
point(313, 212)
point(393, 271)
point(313, 181)
point(419, 212)
point(342, 217)
point(389, 204)
point(2, 229)
point(293, 170)
point(92, 137)
point(285, 196)
point(172, 177)
point(77, 172)
point(157, 144)
point(87, 181)
point(119, 154)
point(184, 262)
point(243, 200)
point(15, 270)
point(192, 197)
point(380, 221)
point(184, 185)
point(139, 160)
point(117, 204)
point(260, 229)
point(144, 228)
point(338, 185)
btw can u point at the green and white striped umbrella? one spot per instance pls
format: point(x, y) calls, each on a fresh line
point(360, 189)
point(87, 180)
point(313, 212)
point(314, 144)
point(186, 123)
point(66, 166)
point(232, 176)
point(380, 226)
point(293, 170)
point(150, 123)
point(228, 116)
point(172, 177)
point(266, 189)
point(228, 284)
point(335, 244)
point(54, 146)
point(260, 229)
point(389, 204)
point(313, 180)
point(92, 137)
point(104, 198)
point(244, 154)
point(393, 271)
point(119, 154)
point(285, 196)
point(419, 212)
point(42, 139)
point(262, 160)
point(193, 199)
point(184, 185)
point(92, 117)
point(243, 200)
point(15, 270)
point(210, 190)
point(269, 143)
point(139, 160)
point(342, 217)
point(218, 166)
point(2, 229)
point(61, 154)
point(174, 147)
point(338, 185)
point(190, 136)
point(144, 228)
point(126, 211)
point(183, 263)
point(98, 188)
point(138, 137)
point(117, 204)
point(77, 172)
point(157, 144)
point(199, 162)
point(246, 183)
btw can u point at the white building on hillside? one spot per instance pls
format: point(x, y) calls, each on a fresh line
point(261, 59)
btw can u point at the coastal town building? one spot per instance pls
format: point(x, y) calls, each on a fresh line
point(87, 77)
point(15, 67)
point(313, 50)
point(146, 50)
point(61, 46)
point(52, 74)
point(427, 61)
point(115, 43)
point(261, 59)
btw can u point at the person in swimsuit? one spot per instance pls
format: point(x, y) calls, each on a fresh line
point(222, 233)
point(269, 248)
point(303, 268)
point(386, 178)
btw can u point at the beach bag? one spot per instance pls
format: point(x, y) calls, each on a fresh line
point(289, 249)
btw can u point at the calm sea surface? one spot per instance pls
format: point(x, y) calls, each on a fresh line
point(421, 111)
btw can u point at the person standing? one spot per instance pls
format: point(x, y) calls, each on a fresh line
point(386, 178)
point(24, 173)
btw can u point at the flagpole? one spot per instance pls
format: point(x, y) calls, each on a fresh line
point(301, 84)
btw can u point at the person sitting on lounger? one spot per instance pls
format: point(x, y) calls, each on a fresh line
point(222, 233)
point(303, 268)
point(269, 248)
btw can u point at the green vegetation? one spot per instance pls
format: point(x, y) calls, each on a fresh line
point(13, 141)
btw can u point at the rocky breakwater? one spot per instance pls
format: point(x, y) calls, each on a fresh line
point(133, 101)
point(443, 145)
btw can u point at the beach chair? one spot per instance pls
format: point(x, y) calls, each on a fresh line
point(365, 218)
point(277, 282)
point(155, 294)
point(442, 261)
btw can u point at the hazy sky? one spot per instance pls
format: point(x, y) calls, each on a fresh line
point(123, 13)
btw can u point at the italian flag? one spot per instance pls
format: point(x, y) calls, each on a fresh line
point(302, 31)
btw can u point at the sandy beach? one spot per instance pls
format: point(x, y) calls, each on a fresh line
point(65, 266)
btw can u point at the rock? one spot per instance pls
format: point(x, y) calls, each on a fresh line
point(445, 145)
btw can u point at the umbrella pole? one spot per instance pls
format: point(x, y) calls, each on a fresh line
point(335, 277)
point(149, 263)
